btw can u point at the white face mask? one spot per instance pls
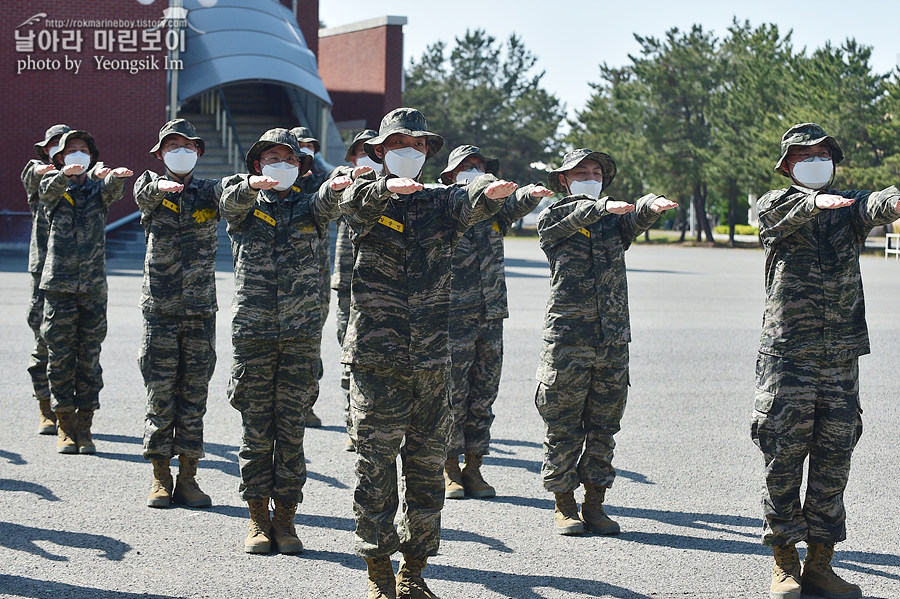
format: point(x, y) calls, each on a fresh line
point(282, 172)
point(366, 161)
point(53, 150)
point(588, 188)
point(405, 162)
point(78, 158)
point(180, 161)
point(814, 172)
point(307, 151)
point(467, 176)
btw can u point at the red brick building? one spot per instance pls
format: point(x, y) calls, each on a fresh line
point(107, 66)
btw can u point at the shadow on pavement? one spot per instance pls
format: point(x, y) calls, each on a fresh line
point(14, 458)
point(23, 538)
point(7, 484)
point(19, 586)
point(527, 586)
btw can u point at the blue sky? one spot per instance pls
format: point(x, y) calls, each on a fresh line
point(571, 38)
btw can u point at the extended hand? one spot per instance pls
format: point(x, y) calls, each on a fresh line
point(541, 192)
point(360, 170)
point(72, 169)
point(662, 204)
point(339, 183)
point(500, 189)
point(44, 169)
point(166, 185)
point(827, 201)
point(262, 182)
point(404, 186)
point(615, 206)
point(122, 172)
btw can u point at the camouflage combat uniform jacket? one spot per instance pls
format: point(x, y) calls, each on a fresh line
point(343, 251)
point(40, 226)
point(586, 246)
point(815, 308)
point(275, 245)
point(478, 277)
point(400, 306)
point(76, 246)
point(182, 236)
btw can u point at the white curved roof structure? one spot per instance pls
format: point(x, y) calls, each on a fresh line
point(244, 41)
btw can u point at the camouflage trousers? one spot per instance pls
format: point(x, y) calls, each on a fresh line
point(805, 409)
point(74, 327)
point(401, 412)
point(37, 365)
point(342, 313)
point(476, 347)
point(177, 358)
point(273, 385)
point(581, 396)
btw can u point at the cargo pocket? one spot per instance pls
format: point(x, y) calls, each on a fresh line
point(236, 384)
point(546, 377)
point(763, 401)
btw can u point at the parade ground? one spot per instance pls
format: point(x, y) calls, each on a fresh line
point(687, 494)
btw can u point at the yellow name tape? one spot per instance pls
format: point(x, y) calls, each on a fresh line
point(297, 189)
point(585, 232)
point(389, 222)
point(263, 216)
point(69, 198)
point(170, 205)
point(496, 227)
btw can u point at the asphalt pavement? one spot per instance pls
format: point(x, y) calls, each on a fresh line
point(687, 495)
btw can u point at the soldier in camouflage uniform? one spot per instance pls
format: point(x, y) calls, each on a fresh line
point(74, 283)
point(583, 374)
point(276, 233)
point(309, 182)
point(814, 330)
point(343, 259)
point(180, 214)
point(37, 252)
point(477, 309)
point(397, 344)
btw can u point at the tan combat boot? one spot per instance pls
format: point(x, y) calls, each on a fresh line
point(819, 579)
point(592, 511)
point(410, 584)
point(453, 483)
point(260, 527)
point(83, 432)
point(283, 532)
point(472, 480)
point(47, 423)
point(565, 515)
point(161, 491)
point(381, 578)
point(312, 421)
point(65, 433)
point(785, 573)
point(187, 491)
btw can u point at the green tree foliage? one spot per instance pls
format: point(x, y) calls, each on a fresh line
point(700, 119)
point(488, 94)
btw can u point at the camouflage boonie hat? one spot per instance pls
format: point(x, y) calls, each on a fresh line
point(807, 134)
point(277, 137)
point(305, 136)
point(41, 147)
point(360, 138)
point(76, 134)
point(573, 158)
point(408, 121)
point(460, 153)
point(179, 127)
